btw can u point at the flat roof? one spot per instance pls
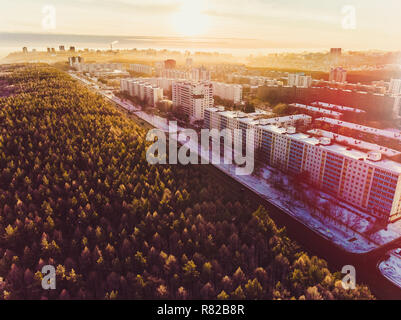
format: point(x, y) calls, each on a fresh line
point(316, 109)
point(345, 151)
point(253, 118)
point(355, 142)
point(337, 107)
point(361, 128)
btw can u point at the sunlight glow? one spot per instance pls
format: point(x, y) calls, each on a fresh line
point(190, 20)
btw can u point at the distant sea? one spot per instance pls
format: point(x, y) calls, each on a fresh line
point(12, 42)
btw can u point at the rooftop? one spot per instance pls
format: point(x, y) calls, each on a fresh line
point(336, 107)
point(254, 118)
point(361, 128)
point(355, 142)
point(315, 109)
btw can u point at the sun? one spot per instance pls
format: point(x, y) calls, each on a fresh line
point(190, 19)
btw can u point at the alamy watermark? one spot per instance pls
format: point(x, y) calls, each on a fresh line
point(49, 21)
point(349, 281)
point(49, 278)
point(349, 17)
point(238, 146)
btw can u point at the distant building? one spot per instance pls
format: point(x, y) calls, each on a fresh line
point(193, 98)
point(316, 111)
point(102, 69)
point(359, 131)
point(390, 105)
point(395, 86)
point(201, 74)
point(231, 92)
point(74, 61)
point(143, 90)
point(174, 74)
point(189, 62)
point(170, 64)
point(335, 51)
point(299, 80)
point(335, 55)
point(141, 68)
point(338, 75)
point(25, 50)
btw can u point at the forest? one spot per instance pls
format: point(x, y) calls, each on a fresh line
point(76, 192)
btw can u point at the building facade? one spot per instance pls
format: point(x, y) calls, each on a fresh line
point(192, 98)
point(299, 80)
point(141, 68)
point(395, 86)
point(366, 180)
point(231, 92)
point(143, 90)
point(338, 75)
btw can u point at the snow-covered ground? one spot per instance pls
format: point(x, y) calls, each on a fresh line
point(391, 268)
point(347, 227)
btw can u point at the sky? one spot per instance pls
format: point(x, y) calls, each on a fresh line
point(353, 24)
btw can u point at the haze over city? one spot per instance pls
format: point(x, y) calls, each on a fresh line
point(279, 24)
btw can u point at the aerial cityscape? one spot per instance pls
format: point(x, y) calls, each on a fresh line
point(200, 151)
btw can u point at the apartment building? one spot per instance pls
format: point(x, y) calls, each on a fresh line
point(365, 180)
point(165, 84)
point(338, 75)
point(359, 173)
point(98, 67)
point(201, 74)
point(192, 98)
point(231, 92)
point(390, 105)
point(218, 118)
point(299, 80)
point(144, 90)
point(338, 108)
point(141, 68)
point(395, 86)
point(315, 111)
point(215, 116)
point(174, 74)
point(195, 74)
point(361, 131)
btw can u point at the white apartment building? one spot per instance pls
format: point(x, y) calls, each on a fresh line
point(201, 74)
point(395, 86)
point(365, 180)
point(98, 67)
point(141, 68)
point(192, 98)
point(144, 90)
point(317, 111)
point(338, 75)
point(231, 92)
point(335, 107)
point(174, 74)
point(299, 80)
point(218, 118)
point(377, 134)
point(195, 75)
